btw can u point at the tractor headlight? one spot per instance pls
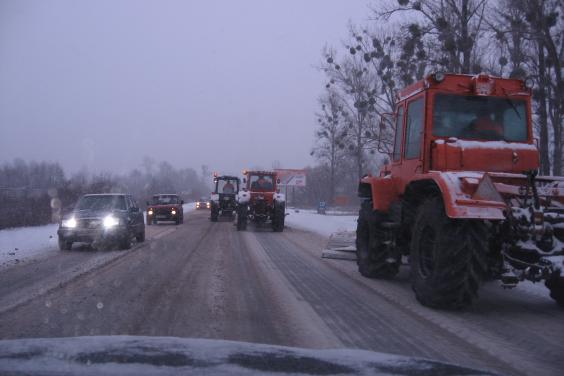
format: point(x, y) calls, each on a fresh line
point(173, 212)
point(70, 223)
point(110, 221)
point(150, 211)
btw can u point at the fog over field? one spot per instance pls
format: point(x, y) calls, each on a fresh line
point(99, 85)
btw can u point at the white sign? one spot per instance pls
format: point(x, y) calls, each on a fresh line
point(297, 180)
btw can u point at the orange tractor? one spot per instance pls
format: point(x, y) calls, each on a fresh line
point(461, 196)
point(260, 201)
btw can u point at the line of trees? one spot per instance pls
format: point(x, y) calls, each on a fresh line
point(34, 193)
point(408, 39)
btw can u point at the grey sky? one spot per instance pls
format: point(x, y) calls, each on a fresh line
point(100, 84)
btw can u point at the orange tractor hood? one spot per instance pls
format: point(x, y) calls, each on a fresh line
point(492, 156)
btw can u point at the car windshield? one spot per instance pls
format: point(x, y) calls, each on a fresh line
point(165, 200)
point(480, 118)
point(101, 203)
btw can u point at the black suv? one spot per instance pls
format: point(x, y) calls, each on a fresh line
point(106, 219)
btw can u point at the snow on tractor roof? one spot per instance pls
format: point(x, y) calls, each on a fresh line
point(259, 172)
point(467, 84)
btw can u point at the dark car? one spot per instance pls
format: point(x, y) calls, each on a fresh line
point(106, 219)
point(203, 203)
point(165, 207)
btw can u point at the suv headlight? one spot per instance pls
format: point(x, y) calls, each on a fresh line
point(110, 221)
point(70, 223)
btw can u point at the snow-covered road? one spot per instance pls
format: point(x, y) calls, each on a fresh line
point(207, 280)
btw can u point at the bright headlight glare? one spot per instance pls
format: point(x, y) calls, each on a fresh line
point(173, 212)
point(110, 221)
point(150, 212)
point(71, 223)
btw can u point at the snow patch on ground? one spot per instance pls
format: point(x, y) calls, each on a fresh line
point(321, 224)
point(24, 243)
point(18, 244)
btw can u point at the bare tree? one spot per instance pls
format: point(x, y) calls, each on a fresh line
point(329, 144)
point(451, 28)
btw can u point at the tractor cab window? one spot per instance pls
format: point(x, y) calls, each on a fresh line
point(480, 118)
point(261, 183)
point(415, 123)
point(399, 134)
point(227, 186)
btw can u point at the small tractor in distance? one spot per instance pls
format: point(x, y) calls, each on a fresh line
point(260, 202)
point(223, 198)
point(461, 196)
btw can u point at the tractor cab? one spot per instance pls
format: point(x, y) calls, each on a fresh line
point(223, 198)
point(454, 122)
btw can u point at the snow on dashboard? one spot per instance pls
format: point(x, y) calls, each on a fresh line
point(129, 355)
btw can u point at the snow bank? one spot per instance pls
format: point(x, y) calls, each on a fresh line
point(189, 206)
point(322, 224)
point(26, 242)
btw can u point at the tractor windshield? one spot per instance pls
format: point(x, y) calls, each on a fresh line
point(480, 118)
point(261, 183)
point(227, 186)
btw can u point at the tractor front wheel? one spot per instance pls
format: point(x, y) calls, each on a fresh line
point(214, 213)
point(373, 256)
point(241, 218)
point(279, 217)
point(448, 257)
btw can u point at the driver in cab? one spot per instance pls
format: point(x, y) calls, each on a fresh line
point(261, 184)
point(228, 187)
point(483, 127)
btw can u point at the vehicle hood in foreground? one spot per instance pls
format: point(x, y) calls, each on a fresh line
point(129, 355)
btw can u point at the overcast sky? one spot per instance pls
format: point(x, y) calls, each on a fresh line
point(101, 84)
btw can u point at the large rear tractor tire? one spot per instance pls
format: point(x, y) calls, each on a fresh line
point(241, 218)
point(556, 287)
point(374, 258)
point(279, 217)
point(448, 257)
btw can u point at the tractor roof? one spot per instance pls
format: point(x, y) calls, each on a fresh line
point(259, 172)
point(226, 177)
point(466, 84)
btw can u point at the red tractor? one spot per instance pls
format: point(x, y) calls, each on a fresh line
point(260, 201)
point(461, 196)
